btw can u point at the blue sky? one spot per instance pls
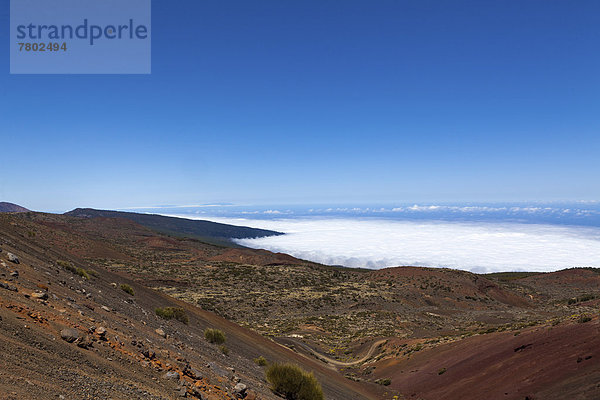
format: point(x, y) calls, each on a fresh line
point(319, 102)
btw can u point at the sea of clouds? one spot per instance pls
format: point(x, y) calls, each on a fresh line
point(474, 246)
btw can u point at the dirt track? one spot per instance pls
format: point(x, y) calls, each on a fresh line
point(287, 341)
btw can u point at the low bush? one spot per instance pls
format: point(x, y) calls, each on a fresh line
point(127, 289)
point(67, 265)
point(77, 271)
point(82, 272)
point(384, 381)
point(261, 361)
point(214, 336)
point(172, 313)
point(293, 383)
point(224, 349)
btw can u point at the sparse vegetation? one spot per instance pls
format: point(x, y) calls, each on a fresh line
point(75, 270)
point(224, 349)
point(581, 299)
point(172, 313)
point(384, 381)
point(260, 361)
point(93, 273)
point(67, 266)
point(442, 371)
point(584, 318)
point(293, 383)
point(214, 336)
point(127, 289)
point(83, 273)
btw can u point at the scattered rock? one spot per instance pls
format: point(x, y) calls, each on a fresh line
point(240, 390)
point(84, 342)
point(8, 287)
point(15, 274)
point(171, 375)
point(13, 258)
point(149, 353)
point(40, 295)
point(105, 308)
point(101, 332)
point(192, 373)
point(69, 335)
point(160, 332)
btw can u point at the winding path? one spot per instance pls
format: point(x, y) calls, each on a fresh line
point(286, 341)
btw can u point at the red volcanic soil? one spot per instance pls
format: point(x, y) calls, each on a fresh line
point(463, 283)
point(560, 362)
point(581, 279)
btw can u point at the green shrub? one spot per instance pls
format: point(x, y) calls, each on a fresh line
point(442, 371)
point(261, 361)
point(293, 383)
point(214, 336)
point(172, 312)
point(127, 289)
point(93, 273)
point(224, 349)
point(384, 381)
point(83, 273)
point(78, 271)
point(67, 265)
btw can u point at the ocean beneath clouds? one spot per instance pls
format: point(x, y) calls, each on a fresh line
point(475, 237)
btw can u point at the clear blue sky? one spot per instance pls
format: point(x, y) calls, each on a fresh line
point(319, 101)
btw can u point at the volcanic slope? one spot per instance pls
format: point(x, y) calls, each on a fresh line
point(71, 328)
point(208, 231)
point(412, 332)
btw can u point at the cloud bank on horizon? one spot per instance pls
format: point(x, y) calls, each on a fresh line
point(477, 247)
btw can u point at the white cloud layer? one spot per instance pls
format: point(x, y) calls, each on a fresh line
point(477, 247)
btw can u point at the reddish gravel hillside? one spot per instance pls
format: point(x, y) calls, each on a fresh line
point(548, 362)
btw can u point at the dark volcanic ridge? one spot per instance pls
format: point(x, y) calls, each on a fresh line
point(212, 232)
point(11, 207)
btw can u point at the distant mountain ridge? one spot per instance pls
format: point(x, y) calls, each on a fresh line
point(11, 207)
point(209, 231)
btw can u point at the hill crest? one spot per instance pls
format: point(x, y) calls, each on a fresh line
point(212, 232)
point(11, 207)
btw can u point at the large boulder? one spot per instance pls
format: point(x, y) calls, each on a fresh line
point(69, 335)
